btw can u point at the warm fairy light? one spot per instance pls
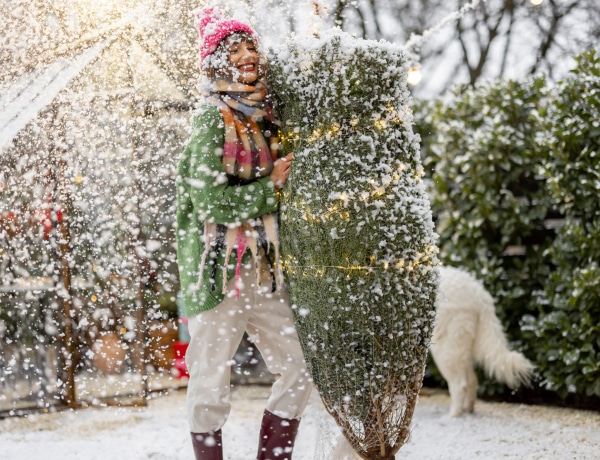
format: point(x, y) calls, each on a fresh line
point(290, 138)
point(310, 217)
point(536, 2)
point(316, 135)
point(78, 179)
point(380, 124)
point(419, 173)
point(379, 192)
point(414, 76)
point(396, 117)
point(344, 197)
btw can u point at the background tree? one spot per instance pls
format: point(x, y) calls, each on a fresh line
point(500, 38)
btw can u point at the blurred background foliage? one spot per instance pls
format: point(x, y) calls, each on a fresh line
point(514, 183)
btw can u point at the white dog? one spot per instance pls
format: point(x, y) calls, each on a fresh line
point(468, 333)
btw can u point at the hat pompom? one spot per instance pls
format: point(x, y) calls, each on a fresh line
point(209, 15)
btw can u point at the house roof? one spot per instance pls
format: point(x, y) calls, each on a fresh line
point(119, 63)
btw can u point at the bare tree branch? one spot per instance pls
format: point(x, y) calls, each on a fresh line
point(338, 12)
point(549, 36)
point(511, 20)
point(376, 23)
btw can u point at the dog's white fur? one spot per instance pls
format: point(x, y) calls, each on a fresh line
point(468, 333)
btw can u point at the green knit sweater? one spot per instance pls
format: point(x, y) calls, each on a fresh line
point(203, 194)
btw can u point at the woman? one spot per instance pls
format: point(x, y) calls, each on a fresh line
point(229, 176)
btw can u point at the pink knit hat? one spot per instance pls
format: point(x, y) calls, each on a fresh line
point(213, 28)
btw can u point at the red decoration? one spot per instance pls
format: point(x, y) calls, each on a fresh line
point(179, 369)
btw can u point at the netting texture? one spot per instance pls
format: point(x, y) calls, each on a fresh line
point(357, 234)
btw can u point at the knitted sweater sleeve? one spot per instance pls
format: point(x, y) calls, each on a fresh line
point(202, 173)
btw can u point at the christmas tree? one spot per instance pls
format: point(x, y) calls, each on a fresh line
point(356, 231)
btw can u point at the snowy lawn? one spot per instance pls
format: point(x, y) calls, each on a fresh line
point(495, 431)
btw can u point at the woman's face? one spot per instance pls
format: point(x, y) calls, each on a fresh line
point(242, 59)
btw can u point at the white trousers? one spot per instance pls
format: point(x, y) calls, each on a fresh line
point(215, 337)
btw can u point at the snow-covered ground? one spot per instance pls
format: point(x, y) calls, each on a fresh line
point(159, 431)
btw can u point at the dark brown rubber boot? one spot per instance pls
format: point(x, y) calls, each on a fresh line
point(208, 446)
point(277, 436)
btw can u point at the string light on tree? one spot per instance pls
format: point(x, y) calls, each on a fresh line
point(536, 2)
point(414, 76)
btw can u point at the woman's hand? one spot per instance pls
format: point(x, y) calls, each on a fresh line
point(281, 171)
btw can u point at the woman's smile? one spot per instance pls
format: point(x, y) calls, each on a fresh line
point(247, 67)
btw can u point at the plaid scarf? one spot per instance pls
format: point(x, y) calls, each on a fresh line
point(245, 153)
point(246, 157)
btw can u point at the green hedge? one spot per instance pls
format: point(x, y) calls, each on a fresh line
point(567, 333)
point(515, 188)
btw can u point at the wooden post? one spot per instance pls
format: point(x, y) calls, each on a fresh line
point(60, 222)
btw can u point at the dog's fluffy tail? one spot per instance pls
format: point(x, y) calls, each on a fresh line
point(493, 353)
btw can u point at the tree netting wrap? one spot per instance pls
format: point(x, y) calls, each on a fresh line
point(356, 231)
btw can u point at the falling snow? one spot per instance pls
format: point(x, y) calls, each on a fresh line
point(95, 103)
